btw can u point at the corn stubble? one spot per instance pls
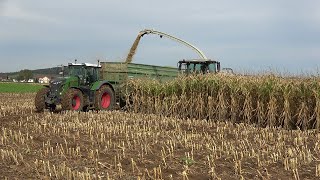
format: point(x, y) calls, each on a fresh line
point(128, 145)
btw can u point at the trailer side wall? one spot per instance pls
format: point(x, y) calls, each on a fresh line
point(118, 73)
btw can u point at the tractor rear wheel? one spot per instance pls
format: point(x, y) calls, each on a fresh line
point(39, 100)
point(104, 99)
point(72, 100)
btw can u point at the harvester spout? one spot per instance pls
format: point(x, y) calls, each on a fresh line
point(162, 34)
point(134, 46)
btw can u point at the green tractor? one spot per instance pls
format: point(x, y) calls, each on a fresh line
point(80, 90)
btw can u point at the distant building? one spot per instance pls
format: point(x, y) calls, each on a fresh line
point(44, 80)
point(31, 81)
point(4, 77)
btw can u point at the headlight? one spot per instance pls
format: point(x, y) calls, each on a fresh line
point(56, 83)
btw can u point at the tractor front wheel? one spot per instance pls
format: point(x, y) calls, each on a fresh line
point(72, 100)
point(39, 100)
point(104, 99)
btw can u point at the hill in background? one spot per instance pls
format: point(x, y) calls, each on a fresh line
point(49, 72)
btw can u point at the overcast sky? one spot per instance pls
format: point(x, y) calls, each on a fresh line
point(283, 35)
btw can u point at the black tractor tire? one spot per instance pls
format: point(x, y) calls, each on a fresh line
point(39, 100)
point(72, 100)
point(104, 99)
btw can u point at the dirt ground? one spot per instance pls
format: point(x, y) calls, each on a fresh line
point(123, 145)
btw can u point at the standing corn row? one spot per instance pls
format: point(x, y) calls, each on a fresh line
point(262, 100)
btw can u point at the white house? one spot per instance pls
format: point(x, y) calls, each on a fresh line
point(31, 81)
point(44, 80)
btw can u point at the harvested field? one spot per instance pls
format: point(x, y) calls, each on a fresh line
point(123, 145)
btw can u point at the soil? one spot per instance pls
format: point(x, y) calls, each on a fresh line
point(123, 145)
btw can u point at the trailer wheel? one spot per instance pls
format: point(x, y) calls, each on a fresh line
point(104, 99)
point(39, 100)
point(72, 100)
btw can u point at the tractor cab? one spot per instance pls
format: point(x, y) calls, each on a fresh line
point(86, 73)
point(198, 66)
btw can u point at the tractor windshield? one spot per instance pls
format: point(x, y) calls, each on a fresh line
point(76, 70)
point(93, 74)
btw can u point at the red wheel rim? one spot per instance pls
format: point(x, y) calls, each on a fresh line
point(76, 102)
point(105, 100)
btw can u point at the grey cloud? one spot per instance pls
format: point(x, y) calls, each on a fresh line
point(2, 4)
point(239, 33)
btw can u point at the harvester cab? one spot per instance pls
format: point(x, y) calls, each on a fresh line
point(198, 66)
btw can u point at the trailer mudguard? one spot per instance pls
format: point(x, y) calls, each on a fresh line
point(98, 84)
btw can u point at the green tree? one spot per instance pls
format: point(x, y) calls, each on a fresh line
point(25, 74)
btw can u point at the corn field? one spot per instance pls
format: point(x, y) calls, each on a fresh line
point(128, 145)
point(265, 101)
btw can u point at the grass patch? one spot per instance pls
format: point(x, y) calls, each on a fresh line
point(19, 87)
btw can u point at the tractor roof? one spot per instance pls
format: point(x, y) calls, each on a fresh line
point(198, 61)
point(84, 64)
